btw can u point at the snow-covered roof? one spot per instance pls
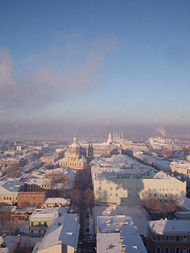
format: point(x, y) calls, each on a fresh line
point(161, 175)
point(168, 227)
point(38, 181)
point(137, 213)
point(10, 186)
point(62, 201)
point(108, 243)
point(110, 224)
point(184, 202)
point(64, 230)
point(113, 242)
point(120, 165)
point(50, 213)
point(132, 240)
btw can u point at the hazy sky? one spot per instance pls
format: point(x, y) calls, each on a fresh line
point(95, 61)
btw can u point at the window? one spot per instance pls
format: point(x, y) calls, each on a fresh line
point(184, 237)
point(158, 238)
point(177, 238)
point(158, 250)
point(167, 250)
point(177, 250)
point(167, 238)
point(39, 223)
point(32, 223)
point(116, 194)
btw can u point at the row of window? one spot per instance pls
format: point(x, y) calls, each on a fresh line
point(145, 193)
point(39, 223)
point(177, 250)
point(177, 238)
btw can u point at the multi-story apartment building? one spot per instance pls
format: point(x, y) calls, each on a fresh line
point(31, 199)
point(123, 181)
point(38, 184)
point(168, 236)
point(41, 219)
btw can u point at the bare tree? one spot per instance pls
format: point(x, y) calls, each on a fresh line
point(13, 171)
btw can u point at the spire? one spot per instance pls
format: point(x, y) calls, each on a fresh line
point(75, 139)
point(109, 138)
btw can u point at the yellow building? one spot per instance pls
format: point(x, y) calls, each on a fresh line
point(73, 157)
point(9, 191)
point(48, 159)
point(168, 236)
point(181, 167)
point(41, 219)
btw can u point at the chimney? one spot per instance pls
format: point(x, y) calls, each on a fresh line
point(19, 241)
point(121, 239)
point(123, 250)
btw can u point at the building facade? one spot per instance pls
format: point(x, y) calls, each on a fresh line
point(168, 236)
point(74, 157)
point(30, 199)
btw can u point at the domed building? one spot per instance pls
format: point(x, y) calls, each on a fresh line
point(74, 157)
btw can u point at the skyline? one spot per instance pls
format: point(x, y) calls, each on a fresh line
point(95, 62)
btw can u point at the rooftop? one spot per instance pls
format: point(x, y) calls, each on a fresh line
point(51, 213)
point(64, 230)
point(120, 165)
point(111, 224)
point(184, 202)
point(170, 227)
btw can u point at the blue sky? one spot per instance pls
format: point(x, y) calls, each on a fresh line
point(95, 61)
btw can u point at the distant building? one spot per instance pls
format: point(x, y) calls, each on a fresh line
point(9, 191)
point(31, 199)
point(56, 202)
point(168, 236)
point(74, 157)
point(6, 162)
point(38, 184)
point(50, 159)
point(181, 167)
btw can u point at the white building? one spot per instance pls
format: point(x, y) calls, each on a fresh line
point(123, 181)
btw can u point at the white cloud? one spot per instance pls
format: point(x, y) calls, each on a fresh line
point(46, 79)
